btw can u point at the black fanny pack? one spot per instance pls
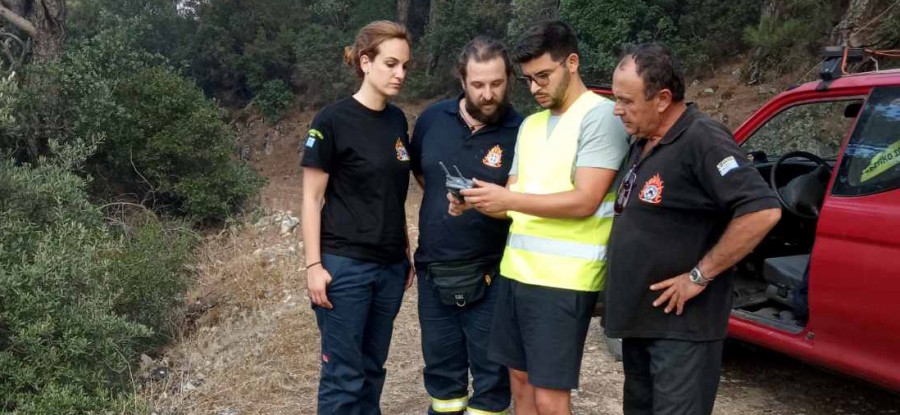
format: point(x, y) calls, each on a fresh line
point(462, 282)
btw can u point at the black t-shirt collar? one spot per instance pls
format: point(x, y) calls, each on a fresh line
point(684, 121)
point(359, 105)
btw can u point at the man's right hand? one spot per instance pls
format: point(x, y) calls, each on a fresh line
point(317, 281)
point(456, 208)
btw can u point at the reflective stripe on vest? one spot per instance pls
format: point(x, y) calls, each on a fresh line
point(565, 253)
point(449, 405)
point(557, 247)
point(473, 411)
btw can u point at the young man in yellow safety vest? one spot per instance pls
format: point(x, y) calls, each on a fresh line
point(558, 197)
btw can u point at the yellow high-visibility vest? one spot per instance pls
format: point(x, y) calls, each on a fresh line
point(562, 253)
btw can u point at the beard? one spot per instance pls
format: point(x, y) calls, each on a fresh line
point(556, 100)
point(475, 111)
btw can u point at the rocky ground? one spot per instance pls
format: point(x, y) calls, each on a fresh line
point(250, 345)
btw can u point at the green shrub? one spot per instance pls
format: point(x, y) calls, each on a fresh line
point(454, 23)
point(792, 37)
point(274, 99)
point(236, 48)
point(150, 278)
point(712, 30)
point(323, 75)
point(164, 29)
point(77, 303)
point(173, 138)
point(698, 31)
point(139, 129)
point(604, 27)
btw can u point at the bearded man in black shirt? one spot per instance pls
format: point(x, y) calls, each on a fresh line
point(690, 205)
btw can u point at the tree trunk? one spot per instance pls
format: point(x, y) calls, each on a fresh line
point(43, 20)
point(854, 28)
point(771, 11)
point(403, 12)
point(414, 14)
point(49, 17)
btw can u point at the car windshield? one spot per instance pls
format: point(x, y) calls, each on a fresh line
point(817, 128)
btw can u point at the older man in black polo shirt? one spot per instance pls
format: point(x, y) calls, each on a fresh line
point(690, 206)
point(458, 256)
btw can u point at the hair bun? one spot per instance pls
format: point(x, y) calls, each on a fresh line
point(349, 59)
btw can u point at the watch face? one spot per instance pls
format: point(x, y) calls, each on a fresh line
point(696, 278)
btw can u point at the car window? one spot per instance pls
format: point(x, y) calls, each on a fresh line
point(817, 127)
point(872, 160)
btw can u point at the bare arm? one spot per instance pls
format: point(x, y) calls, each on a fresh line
point(317, 278)
point(591, 185)
point(420, 179)
point(741, 236)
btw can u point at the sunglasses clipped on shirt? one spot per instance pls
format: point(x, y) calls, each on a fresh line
point(625, 190)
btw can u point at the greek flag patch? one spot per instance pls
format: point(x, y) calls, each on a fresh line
point(726, 165)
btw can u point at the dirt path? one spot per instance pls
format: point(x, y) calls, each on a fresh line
point(251, 345)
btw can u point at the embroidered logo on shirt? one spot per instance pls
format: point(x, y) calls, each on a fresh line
point(494, 157)
point(311, 138)
point(726, 165)
point(652, 190)
point(402, 154)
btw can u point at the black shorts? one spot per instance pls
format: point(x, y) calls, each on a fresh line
point(541, 330)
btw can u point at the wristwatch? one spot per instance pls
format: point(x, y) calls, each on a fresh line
point(698, 278)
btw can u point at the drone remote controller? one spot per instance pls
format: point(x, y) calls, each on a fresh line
point(456, 183)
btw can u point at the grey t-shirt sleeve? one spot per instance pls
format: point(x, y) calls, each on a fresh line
point(603, 142)
point(514, 168)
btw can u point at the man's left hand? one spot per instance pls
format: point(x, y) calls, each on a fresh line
point(487, 197)
point(678, 290)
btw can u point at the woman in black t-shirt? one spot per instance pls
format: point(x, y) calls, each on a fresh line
point(355, 178)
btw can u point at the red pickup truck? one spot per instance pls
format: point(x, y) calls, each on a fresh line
point(824, 285)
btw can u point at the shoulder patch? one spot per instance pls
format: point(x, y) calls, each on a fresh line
point(314, 133)
point(726, 165)
point(311, 138)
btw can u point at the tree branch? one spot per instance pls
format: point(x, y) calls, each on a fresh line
point(18, 21)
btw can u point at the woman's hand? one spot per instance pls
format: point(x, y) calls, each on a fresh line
point(317, 281)
point(412, 275)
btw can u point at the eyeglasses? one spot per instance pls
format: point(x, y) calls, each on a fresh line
point(625, 190)
point(542, 78)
